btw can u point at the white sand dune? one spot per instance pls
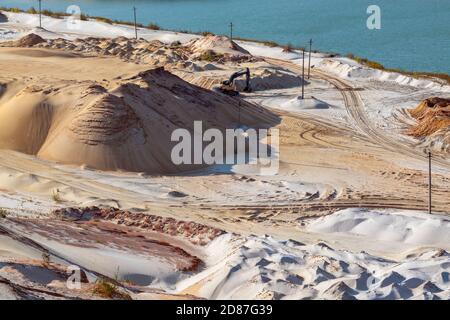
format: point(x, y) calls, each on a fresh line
point(264, 268)
point(390, 226)
point(349, 69)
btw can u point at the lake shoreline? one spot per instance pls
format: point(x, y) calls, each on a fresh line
point(364, 52)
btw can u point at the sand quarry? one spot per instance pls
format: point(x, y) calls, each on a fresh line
point(86, 177)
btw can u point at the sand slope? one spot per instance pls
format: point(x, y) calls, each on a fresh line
point(432, 114)
point(432, 125)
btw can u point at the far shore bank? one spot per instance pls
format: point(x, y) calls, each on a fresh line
point(269, 43)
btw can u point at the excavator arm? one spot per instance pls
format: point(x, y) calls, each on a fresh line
point(239, 74)
point(227, 86)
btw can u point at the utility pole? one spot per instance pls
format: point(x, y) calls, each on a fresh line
point(309, 63)
point(429, 182)
point(135, 24)
point(231, 31)
point(303, 73)
point(40, 15)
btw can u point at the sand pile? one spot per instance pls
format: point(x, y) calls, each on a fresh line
point(299, 104)
point(263, 77)
point(29, 40)
point(124, 125)
point(270, 78)
point(217, 48)
point(432, 115)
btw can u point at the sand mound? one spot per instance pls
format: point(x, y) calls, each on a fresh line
point(29, 40)
point(218, 44)
point(263, 77)
point(298, 104)
point(432, 115)
point(270, 79)
point(125, 126)
point(217, 48)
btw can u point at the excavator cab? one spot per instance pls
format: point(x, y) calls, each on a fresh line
point(228, 86)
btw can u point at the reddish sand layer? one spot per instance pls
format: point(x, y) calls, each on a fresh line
point(100, 234)
point(195, 232)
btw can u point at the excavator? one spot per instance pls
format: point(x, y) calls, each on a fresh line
point(228, 87)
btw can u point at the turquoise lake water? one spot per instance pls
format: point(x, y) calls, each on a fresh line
point(414, 34)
